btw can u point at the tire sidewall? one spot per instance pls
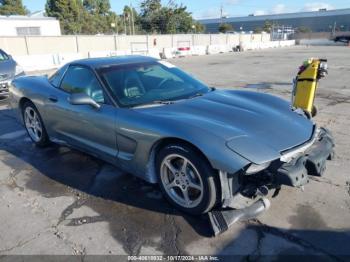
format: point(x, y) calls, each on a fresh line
point(44, 140)
point(210, 190)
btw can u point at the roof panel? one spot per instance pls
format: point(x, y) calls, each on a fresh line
point(117, 60)
point(278, 16)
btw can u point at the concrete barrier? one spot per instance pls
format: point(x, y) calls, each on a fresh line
point(225, 49)
point(154, 52)
point(36, 53)
point(168, 53)
point(65, 58)
point(245, 46)
point(121, 52)
point(213, 49)
point(183, 51)
point(45, 62)
point(199, 50)
point(319, 42)
point(37, 62)
point(94, 54)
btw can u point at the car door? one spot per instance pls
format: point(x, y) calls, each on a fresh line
point(83, 126)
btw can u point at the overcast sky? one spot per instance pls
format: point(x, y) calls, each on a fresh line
point(211, 8)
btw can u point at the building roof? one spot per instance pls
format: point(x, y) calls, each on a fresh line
point(114, 61)
point(39, 15)
point(320, 13)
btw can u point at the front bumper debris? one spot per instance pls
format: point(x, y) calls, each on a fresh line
point(305, 161)
point(4, 87)
point(222, 220)
point(293, 174)
point(311, 163)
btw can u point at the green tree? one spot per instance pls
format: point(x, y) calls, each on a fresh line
point(173, 18)
point(184, 20)
point(224, 27)
point(150, 15)
point(149, 7)
point(98, 17)
point(268, 25)
point(199, 28)
point(130, 20)
point(304, 29)
point(69, 12)
point(12, 7)
point(83, 17)
point(101, 7)
point(257, 30)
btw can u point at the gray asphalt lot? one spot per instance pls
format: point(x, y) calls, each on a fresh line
point(61, 201)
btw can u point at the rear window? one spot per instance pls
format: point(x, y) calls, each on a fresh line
point(3, 56)
point(55, 79)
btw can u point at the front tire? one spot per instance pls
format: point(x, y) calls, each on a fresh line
point(34, 125)
point(186, 179)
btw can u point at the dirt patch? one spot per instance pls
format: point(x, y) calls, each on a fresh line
point(307, 217)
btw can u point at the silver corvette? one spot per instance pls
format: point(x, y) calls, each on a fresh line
point(205, 147)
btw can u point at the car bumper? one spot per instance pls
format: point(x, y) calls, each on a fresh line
point(311, 162)
point(239, 191)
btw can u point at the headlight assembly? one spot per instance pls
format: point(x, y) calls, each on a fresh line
point(253, 168)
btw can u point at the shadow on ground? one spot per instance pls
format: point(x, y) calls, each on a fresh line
point(278, 244)
point(135, 210)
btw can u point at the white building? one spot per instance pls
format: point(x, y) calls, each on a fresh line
point(34, 24)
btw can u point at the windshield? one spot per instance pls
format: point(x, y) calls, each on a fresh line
point(146, 83)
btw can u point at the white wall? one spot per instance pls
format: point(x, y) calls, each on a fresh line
point(45, 52)
point(48, 27)
point(319, 42)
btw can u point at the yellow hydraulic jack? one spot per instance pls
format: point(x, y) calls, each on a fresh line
point(305, 85)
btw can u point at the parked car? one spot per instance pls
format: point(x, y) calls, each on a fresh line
point(342, 38)
point(9, 69)
point(205, 147)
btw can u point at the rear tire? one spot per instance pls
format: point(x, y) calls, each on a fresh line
point(34, 125)
point(186, 179)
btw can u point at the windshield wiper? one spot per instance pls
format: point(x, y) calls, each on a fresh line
point(162, 102)
point(156, 102)
point(201, 94)
point(196, 95)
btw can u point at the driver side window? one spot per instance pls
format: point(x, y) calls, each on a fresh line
point(82, 80)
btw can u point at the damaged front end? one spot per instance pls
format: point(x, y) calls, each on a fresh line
point(244, 194)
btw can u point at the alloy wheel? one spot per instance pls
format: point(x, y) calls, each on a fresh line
point(182, 181)
point(33, 124)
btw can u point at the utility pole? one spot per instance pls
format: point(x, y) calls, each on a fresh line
point(221, 13)
point(116, 24)
point(125, 24)
point(334, 27)
point(132, 19)
point(129, 22)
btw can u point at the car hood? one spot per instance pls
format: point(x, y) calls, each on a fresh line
point(257, 126)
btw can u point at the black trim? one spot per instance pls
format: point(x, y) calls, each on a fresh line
point(307, 79)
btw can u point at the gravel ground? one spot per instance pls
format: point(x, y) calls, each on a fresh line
point(61, 201)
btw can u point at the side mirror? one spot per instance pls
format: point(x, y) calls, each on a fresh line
point(83, 99)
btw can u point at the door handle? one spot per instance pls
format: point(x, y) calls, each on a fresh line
point(53, 99)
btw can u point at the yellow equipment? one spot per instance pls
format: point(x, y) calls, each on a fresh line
point(305, 84)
